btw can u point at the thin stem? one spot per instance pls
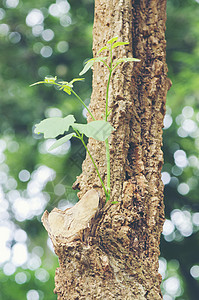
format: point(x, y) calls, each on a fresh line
point(83, 104)
point(108, 166)
point(96, 168)
point(111, 50)
point(106, 141)
point(105, 64)
point(116, 66)
point(60, 85)
point(107, 91)
point(108, 83)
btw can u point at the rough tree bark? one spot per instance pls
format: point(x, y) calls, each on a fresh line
point(111, 251)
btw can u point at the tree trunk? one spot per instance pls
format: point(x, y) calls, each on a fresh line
point(110, 251)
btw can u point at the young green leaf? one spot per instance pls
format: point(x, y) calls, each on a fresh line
point(62, 141)
point(98, 59)
point(126, 59)
point(52, 127)
point(114, 202)
point(36, 83)
point(109, 112)
point(65, 86)
point(90, 63)
point(50, 80)
point(70, 84)
point(103, 48)
point(119, 44)
point(111, 41)
point(67, 89)
point(87, 66)
point(99, 130)
point(75, 79)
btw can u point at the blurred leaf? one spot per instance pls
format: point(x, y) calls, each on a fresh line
point(36, 83)
point(87, 66)
point(50, 80)
point(61, 141)
point(76, 79)
point(90, 63)
point(66, 89)
point(52, 127)
point(99, 130)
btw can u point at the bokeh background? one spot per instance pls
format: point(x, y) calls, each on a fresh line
point(39, 38)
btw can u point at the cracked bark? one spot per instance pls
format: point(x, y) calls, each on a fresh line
point(114, 254)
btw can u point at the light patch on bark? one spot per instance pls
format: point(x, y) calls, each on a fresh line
point(66, 226)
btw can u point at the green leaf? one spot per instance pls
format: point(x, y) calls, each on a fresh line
point(109, 112)
point(76, 79)
point(62, 141)
point(66, 88)
point(114, 202)
point(87, 66)
point(103, 48)
point(119, 44)
point(90, 63)
point(36, 83)
point(126, 59)
point(98, 59)
point(111, 41)
point(50, 80)
point(52, 127)
point(99, 130)
point(70, 84)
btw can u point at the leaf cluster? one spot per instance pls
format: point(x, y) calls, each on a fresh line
point(97, 129)
point(111, 44)
point(53, 127)
point(62, 85)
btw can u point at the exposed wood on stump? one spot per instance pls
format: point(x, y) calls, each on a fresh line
point(116, 255)
point(71, 224)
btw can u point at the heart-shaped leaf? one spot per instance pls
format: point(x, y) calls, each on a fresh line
point(99, 130)
point(52, 127)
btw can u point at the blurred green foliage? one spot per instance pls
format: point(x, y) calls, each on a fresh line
point(181, 153)
point(54, 38)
